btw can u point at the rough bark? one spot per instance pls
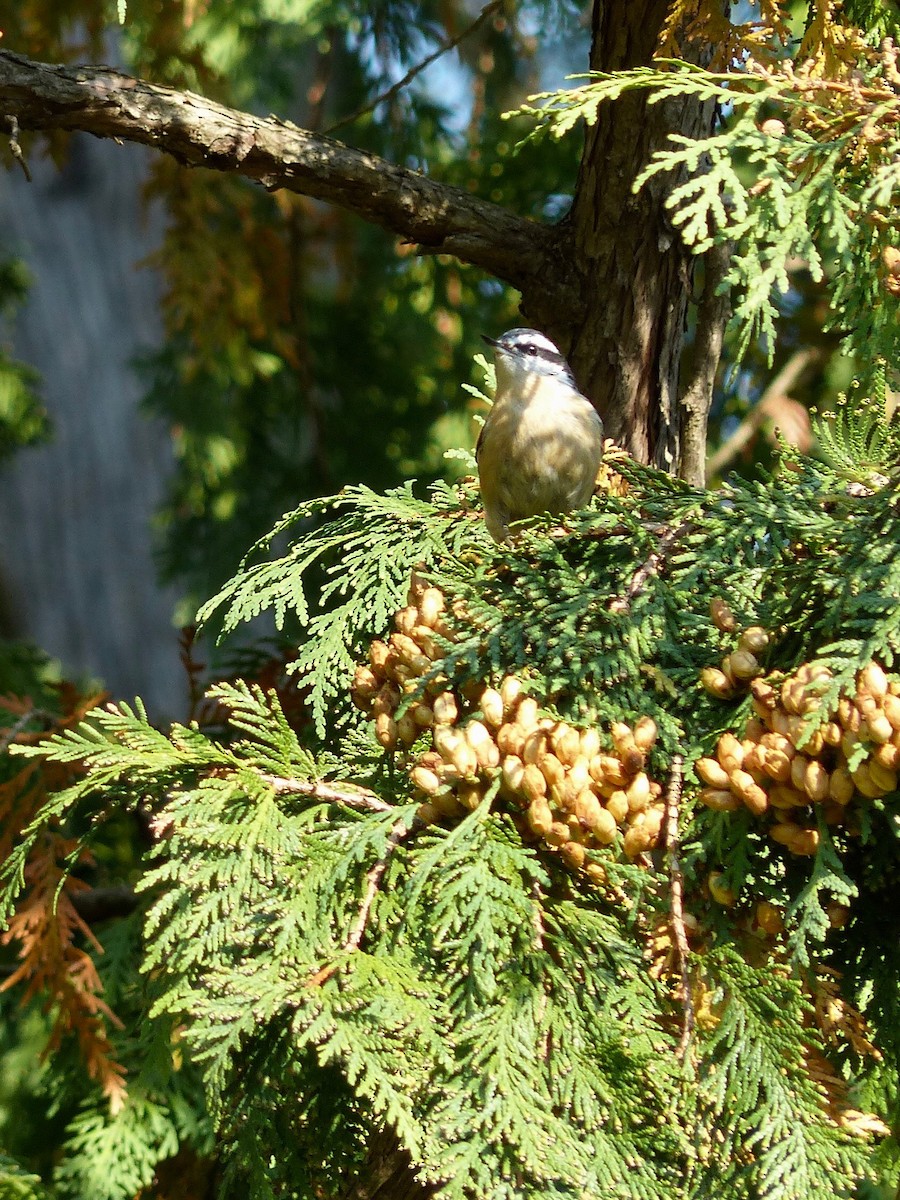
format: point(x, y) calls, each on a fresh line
point(388, 1174)
point(713, 311)
point(633, 270)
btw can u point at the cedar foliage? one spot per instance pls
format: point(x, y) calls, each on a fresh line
point(23, 421)
point(328, 956)
point(316, 953)
point(803, 169)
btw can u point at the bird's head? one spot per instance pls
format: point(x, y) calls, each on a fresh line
point(520, 354)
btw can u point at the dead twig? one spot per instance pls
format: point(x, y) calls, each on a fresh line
point(10, 735)
point(15, 148)
point(374, 876)
point(651, 566)
point(676, 900)
point(745, 432)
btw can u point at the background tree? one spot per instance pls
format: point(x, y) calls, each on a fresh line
point(471, 937)
point(83, 499)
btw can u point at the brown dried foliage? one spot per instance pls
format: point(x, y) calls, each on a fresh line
point(54, 946)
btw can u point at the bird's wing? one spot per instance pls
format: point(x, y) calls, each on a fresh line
point(596, 419)
point(480, 440)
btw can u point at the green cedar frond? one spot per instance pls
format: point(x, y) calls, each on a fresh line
point(558, 112)
point(112, 1159)
point(16, 1183)
point(800, 189)
point(828, 880)
point(337, 961)
point(375, 1021)
point(763, 1108)
point(272, 743)
point(794, 197)
point(860, 440)
point(367, 554)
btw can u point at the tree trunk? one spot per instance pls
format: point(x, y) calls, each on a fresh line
point(388, 1173)
point(633, 271)
point(633, 291)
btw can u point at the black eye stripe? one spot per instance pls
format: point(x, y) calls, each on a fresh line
point(547, 355)
point(533, 348)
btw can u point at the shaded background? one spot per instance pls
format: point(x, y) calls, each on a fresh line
point(78, 572)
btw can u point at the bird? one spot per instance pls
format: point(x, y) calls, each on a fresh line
point(542, 442)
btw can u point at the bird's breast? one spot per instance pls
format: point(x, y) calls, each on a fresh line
point(542, 455)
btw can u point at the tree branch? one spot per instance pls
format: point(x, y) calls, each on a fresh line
point(668, 537)
point(450, 44)
point(374, 876)
point(201, 133)
point(341, 793)
point(745, 432)
point(712, 317)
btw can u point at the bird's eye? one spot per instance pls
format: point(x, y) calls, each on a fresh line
point(531, 348)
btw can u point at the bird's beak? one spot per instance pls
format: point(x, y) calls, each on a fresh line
point(490, 341)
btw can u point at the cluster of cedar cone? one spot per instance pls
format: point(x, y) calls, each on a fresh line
point(799, 762)
point(580, 788)
point(574, 788)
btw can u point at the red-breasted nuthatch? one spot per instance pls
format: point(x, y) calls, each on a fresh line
point(542, 442)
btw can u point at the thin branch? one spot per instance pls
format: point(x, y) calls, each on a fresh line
point(354, 797)
point(399, 830)
point(344, 793)
point(374, 876)
point(676, 900)
point(15, 148)
point(200, 133)
point(451, 44)
point(316, 92)
point(745, 432)
point(651, 566)
point(19, 726)
point(712, 317)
